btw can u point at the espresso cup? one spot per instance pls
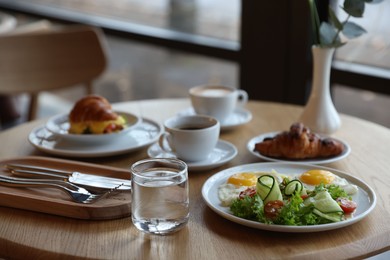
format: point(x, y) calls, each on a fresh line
point(217, 101)
point(190, 138)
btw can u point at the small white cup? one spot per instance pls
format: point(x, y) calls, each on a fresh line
point(217, 101)
point(190, 138)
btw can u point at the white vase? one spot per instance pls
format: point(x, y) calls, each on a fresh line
point(319, 114)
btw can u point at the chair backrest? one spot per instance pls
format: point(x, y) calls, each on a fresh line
point(58, 58)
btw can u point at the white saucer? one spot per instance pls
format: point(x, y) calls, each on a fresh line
point(239, 117)
point(222, 153)
point(260, 138)
point(146, 133)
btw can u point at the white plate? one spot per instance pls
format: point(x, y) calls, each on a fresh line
point(239, 117)
point(251, 145)
point(222, 153)
point(59, 125)
point(365, 197)
point(141, 136)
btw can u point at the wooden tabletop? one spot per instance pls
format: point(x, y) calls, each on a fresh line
point(207, 236)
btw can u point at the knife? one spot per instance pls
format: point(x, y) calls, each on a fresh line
point(75, 177)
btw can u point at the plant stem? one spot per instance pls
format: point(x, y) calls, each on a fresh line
point(315, 21)
point(339, 30)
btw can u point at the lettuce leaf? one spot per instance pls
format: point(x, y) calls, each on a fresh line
point(293, 213)
point(251, 208)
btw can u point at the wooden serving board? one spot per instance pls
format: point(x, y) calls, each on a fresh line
point(55, 201)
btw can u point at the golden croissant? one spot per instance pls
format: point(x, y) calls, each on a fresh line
point(299, 143)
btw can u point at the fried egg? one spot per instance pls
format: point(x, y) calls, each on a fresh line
point(314, 177)
point(243, 179)
point(228, 192)
point(235, 184)
point(96, 127)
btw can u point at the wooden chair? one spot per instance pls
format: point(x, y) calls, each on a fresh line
point(48, 60)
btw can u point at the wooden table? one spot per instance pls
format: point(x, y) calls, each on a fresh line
point(25, 234)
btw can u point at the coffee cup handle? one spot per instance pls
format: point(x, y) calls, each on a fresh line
point(242, 97)
point(164, 142)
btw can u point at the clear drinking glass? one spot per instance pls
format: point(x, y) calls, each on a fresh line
point(160, 202)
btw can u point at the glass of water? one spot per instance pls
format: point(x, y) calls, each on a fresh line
point(160, 202)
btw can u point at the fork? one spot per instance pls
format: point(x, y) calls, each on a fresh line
point(79, 194)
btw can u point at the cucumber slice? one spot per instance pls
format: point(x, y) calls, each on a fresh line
point(268, 188)
point(293, 186)
point(324, 203)
point(334, 217)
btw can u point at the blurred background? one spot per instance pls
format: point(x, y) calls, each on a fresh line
point(161, 48)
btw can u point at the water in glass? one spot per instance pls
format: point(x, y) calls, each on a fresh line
point(160, 203)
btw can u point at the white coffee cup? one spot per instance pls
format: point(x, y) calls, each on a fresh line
point(217, 101)
point(190, 138)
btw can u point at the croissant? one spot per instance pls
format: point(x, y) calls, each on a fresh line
point(93, 114)
point(299, 143)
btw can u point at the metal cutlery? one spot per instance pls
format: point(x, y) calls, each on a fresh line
point(89, 180)
point(78, 194)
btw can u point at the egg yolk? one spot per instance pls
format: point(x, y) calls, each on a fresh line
point(243, 179)
point(96, 127)
point(316, 177)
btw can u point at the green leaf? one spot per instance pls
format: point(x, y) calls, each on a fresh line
point(353, 30)
point(243, 208)
point(336, 191)
point(354, 8)
point(329, 37)
point(327, 33)
point(335, 21)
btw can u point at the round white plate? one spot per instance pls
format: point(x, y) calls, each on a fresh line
point(239, 117)
point(144, 134)
point(251, 145)
point(365, 197)
point(222, 153)
point(59, 125)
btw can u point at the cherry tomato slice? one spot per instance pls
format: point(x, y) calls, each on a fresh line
point(272, 209)
point(348, 206)
point(304, 196)
point(251, 191)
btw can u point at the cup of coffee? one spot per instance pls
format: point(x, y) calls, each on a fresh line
point(190, 138)
point(217, 101)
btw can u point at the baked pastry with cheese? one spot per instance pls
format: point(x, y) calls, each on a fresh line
point(299, 143)
point(93, 114)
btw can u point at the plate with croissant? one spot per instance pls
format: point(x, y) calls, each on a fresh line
point(92, 120)
point(298, 144)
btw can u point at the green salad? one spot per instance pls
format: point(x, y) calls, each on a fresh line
point(290, 203)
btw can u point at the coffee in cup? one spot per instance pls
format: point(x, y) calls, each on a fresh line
point(190, 138)
point(217, 101)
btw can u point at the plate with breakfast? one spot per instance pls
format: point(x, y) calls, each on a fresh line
point(288, 197)
point(92, 120)
point(146, 133)
point(298, 145)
